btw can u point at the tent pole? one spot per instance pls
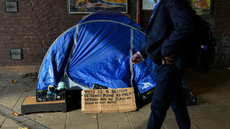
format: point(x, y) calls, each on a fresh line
point(131, 54)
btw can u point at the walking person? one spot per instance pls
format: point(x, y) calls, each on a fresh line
point(169, 27)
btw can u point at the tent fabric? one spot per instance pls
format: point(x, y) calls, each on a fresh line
point(97, 51)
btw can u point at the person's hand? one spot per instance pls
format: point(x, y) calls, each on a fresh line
point(169, 59)
point(135, 59)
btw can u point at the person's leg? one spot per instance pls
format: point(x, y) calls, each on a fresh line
point(168, 77)
point(179, 107)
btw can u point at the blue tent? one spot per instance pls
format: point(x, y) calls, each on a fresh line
point(97, 51)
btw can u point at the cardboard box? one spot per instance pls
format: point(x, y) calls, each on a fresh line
point(108, 100)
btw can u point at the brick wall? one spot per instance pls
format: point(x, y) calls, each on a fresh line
point(19, 30)
point(40, 22)
point(34, 29)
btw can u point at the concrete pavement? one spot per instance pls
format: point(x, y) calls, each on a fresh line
point(212, 111)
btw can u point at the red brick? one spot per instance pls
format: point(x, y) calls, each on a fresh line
point(13, 31)
point(21, 30)
point(8, 34)
point(27, 52)
point(4, 30)
point(8, 27)
point(6, 19)
point(3, 45)
point(30, 34)
point(4, 50)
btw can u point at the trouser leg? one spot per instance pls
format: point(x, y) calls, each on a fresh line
point(179, 107)
point(169, 78)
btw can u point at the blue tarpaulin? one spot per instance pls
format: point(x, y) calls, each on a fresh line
point(97, 51)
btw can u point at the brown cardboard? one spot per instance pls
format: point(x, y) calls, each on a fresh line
point(32, 100)
point(108, 100)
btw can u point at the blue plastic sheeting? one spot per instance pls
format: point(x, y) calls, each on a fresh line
point(105, 48)
point(55, 61)
point(97, 51)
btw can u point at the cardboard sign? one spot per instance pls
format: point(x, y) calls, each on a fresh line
point(108, 100)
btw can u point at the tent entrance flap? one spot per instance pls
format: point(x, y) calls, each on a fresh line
point(71, 85)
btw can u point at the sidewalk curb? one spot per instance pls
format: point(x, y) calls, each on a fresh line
point(20, 120)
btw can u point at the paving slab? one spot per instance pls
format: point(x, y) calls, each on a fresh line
point(228, 99)
point(7, 80)
point(29, 92)
point(170, 123)
point(2, 87)
point(222, 74)
point(207, 94)
point(112, 117)
point(2, 119)
point(4, 82)
point(223, 92)
point(15, 88)
point(16, 120)
point(10, 95)
point(142, 124)
point(198, 88)
point(81, 126)
point(28, 79)
point(53, 118)
point(211, 123)
point(220, 87)
point(115, 125)
point(9, 102)
point(58, 127)
point(219, 72)
point(34, 116)
point(10, 124)
point(139, 119)
point(138, 116)
point(223, 112)
point(22, 85)
point(34, 124)
point(202, 112)
point(212, 81)
point(227, 120)
point(78, 117)
point(222, 102)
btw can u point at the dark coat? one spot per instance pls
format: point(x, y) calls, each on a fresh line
point(168, 31)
